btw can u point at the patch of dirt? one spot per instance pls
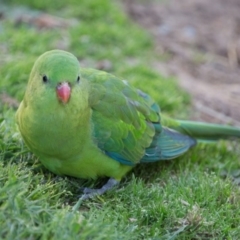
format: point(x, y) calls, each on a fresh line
point(202, 41)
point(5, 99)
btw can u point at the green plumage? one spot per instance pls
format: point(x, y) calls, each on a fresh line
point(104, 127)
point(203, 132)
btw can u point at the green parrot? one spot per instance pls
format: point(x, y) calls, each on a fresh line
point(87, 123)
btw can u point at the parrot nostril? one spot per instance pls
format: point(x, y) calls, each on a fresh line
point(60, 84)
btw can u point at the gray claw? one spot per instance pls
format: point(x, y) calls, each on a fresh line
point(90, 193)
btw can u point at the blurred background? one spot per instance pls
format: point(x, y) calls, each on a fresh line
point(202, 42)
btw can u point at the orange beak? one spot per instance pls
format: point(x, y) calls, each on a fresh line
point(63, 92)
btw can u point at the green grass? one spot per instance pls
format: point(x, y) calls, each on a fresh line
point(192, 197)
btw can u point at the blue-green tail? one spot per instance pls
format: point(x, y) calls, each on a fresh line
point(169, 144)
point(206, 132)
point(177, 137)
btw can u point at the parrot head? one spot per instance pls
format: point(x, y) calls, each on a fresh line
point(55, 78)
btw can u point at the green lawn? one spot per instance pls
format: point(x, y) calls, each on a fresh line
point(192, 197)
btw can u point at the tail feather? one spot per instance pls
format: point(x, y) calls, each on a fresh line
point(170, 144)
point(205, 132)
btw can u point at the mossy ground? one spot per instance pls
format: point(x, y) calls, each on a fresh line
point(187, 198)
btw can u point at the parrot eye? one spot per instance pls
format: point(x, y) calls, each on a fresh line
point(44, 78)
point(78, 79)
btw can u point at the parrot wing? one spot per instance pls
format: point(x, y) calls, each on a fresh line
point(126, 122)
point(121, 118)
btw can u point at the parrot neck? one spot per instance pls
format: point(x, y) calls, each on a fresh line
point(60, 131)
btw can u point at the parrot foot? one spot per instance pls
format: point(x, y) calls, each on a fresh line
point(90, 193)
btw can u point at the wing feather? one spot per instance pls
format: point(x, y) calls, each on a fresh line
point(121, 117)
point(126, 122)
